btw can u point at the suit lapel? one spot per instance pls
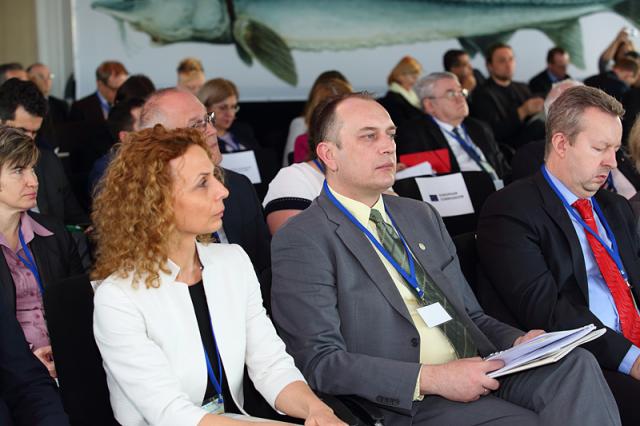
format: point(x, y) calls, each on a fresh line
point(441, 141)
point(359, 245)
point(556, 211)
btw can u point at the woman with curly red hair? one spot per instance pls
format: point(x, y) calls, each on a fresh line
point(176, 318)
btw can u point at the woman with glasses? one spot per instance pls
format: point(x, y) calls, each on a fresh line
point(36, 249)
point(221, 97)
point(176, 318)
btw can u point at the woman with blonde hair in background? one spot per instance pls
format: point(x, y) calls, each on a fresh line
point(190, 75)
point(176, 318)
point(400, 101)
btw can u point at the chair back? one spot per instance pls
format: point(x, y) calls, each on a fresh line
point(69, 307)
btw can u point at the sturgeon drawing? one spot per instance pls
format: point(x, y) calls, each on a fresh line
point(268, 30)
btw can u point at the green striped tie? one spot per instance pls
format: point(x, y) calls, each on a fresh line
point(455, 330)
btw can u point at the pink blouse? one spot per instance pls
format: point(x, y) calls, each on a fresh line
point(29, 308)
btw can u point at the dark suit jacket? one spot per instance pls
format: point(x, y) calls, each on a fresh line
point(423, 134)
point(608, 82)
point(498, 107)
point(399, 109)
point(87, 109)
point(28, 396)
point(56, 257)
point(244, 223)
point(540, 84)
point(55, 197)
point(243, 134)
point(342, 317)
point(533, 260)
point(58, 110)
point(528, 159)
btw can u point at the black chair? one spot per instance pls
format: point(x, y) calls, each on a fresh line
point(83, 384)
point(480, 187)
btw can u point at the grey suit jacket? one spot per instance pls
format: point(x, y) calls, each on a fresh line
point(341, 315)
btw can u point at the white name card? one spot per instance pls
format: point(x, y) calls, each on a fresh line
point(417, 170)
point(243, 162)
point(448, 194)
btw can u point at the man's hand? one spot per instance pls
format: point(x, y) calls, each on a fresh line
point(45, 355)
point(469, 82)
point(530, 107)
point(463, 380)
point(323, 416)
point(530, 335)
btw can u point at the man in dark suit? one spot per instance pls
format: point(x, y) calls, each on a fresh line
point(354, 314)
point(23, 106)
point(557, 63)
point(41, 76)
point(561, 252)
point(28, 396)
point(506, 105)
point(243, 221)
point(110, 75)
point(446, 124)
point(618, 81)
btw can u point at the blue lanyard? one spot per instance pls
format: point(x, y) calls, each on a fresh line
point(212, 377)
point(410, 276)
point(318, 164)
point(29, 262)
point(613, 252)
point(465, 143)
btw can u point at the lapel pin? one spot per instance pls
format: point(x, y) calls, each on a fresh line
point(422, 246)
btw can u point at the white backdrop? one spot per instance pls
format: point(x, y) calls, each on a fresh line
point(98, 37)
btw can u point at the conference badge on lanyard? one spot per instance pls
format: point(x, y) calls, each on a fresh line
point(214, 405)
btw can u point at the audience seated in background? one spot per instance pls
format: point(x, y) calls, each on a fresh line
point(616, 50)
point(506, 105)
point(400, 100)
point(321, 91)
point(29, 396)
point(36, 249)
point(124, 118)
point(557, 63)
point(350, 319)
point(244, 222)
point(445, 125)
point(137, 86)
point(220, 96)
point(110, 75)
point(561, 252)
point(617, 81)
point(22, 106)
point(175, 319)
point(298, 125)
point(12, 70)
point(42, 77)
point(190, 75)
point(458, 62)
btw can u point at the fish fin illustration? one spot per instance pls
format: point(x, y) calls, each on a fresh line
point(244, 55)
point(267, 47)
point(568, 35)
point(630, 10)
point(480, 44)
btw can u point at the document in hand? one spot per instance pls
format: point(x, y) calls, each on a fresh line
point(544, 349)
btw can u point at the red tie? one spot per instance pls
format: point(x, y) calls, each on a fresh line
point(621, 292)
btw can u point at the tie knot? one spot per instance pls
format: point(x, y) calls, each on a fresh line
point(456, 131)
point(376, 217)
point(584, 208)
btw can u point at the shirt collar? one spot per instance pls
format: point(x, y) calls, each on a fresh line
point(569, 196)
point(359, 210)
point(29, 228)
point(446, 126)
point(552, 77)
point(103, 101)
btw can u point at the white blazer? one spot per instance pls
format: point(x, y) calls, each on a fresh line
point(152, 350)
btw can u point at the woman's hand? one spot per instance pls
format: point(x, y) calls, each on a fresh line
point(45, 355)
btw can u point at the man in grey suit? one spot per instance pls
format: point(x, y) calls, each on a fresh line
point(359, 275)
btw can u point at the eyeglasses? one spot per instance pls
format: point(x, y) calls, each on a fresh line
point(201, 125)
point(452, 94)
point(226, 107)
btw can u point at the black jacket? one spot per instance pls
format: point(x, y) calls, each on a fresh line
point(532, 258)
point(28, 396)
point(399, 109)
point(609, 83)
point(424, 135)
point(56, 257)
point(541, 84)
point(87, 109)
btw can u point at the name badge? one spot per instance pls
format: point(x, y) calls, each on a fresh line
point(214, 405)
point(434, 315)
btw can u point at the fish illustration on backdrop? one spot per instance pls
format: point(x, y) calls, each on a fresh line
point(267, 30)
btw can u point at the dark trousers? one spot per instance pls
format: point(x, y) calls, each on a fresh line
point(625, 390)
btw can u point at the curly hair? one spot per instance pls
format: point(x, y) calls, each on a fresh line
point(15, 93)
point(133, 210)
